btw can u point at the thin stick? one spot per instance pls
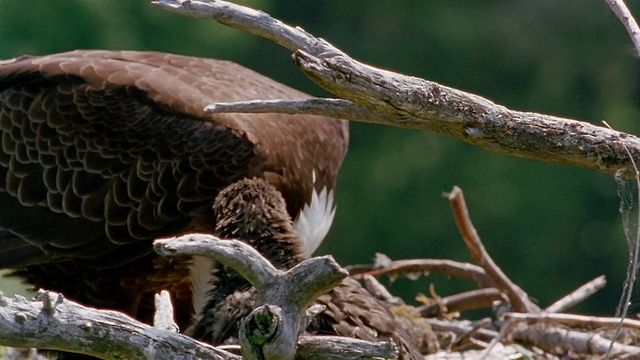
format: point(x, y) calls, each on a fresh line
point(519, 299)
point(465, 301)
point(624, 15)
point(443, 266)
point(575, 320)
point(163, 318)
point(578, 295)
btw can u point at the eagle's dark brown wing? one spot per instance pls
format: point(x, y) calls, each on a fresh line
point(104, 151)
point(352, 311)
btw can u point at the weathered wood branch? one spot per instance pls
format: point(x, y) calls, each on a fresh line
point(578, 295)
point(384, 97)
point(338, 347)
point(517, 297)
point(54, 323)
point(411, 266)
point(554, 338)
point(624, 15)
point(283, 298)
point(163, 318)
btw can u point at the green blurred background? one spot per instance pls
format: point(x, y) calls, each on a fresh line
point(550, 227)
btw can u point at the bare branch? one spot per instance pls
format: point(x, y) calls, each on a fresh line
point(406, 101)
point(518, 298)
point(468, 300)
point(443, 266)
point(315, 276)
point(233, 253)
point(578, 295)
point(271, 330)
point(624, 15)
point(54, 323)
point(575, 320)
point(315, 106)
point(460, 327)
point(163, 318)
point(337, 347)
point(557, 339)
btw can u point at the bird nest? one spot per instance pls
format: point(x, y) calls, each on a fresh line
point(518, 329)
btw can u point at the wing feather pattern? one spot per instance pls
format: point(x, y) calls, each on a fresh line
point(104, 151)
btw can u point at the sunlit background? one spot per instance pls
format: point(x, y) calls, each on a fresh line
point(550, 227)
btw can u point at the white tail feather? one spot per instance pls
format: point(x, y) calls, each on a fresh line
point(314, 221)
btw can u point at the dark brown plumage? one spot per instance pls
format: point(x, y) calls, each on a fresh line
point(104, 151)
point(253, 211)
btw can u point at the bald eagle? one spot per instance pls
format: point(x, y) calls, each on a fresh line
point(105, 151)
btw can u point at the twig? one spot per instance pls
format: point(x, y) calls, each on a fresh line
point(163, 318)
point(339, 108)
point(380, 291)
point(465, 301)
point(574, 320)
point(461, 327)
point(507, 327)
point(405, 101)
point(52, 322)
point(624, 15)
point(470, 335)
point(578, 295)
point(443, 266)
point(517, 296)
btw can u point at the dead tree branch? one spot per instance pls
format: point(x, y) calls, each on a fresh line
point(558, 339)
point(465, 301)
point(163, 318)
point(624, 15)
point(518, 298)
point(384, 97)
point(412, 266)
point(283, 297)
point(578, 295)
point(52, 322)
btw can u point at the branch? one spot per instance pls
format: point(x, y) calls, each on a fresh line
point(54, 323)
point(557, 339)
point(443, 266)
point(624, 15)
point(575, 320)
point(314, 276)
point(233, 253)
point(578, 295)
point(465, 301)
point(338, 347)
point(384, 97)
point(518, 298)
point(271, 330)
point(338, 108)
point(163, 318)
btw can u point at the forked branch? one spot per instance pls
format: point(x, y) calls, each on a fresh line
point(379, 96)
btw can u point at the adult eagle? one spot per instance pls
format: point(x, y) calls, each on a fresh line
point(105, 151)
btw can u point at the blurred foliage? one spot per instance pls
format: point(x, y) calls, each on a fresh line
point(550, 227)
